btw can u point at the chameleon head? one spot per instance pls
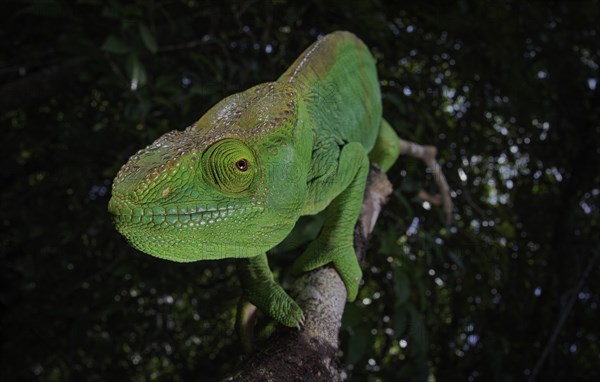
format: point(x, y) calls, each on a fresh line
point(215, 189)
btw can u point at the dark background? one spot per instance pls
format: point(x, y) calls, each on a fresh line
point(507, 90)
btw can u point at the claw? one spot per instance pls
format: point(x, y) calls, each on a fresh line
point(301, 321)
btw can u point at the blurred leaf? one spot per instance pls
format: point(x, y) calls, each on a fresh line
point(115, 45)
point(394, 100)
point(417, 330)
point(110, 11)
point(201, 90)
point(148, 38)
point(388, 242)
point(46, 8)
point(358, 344)
point(506, 229)
point(407, 207)
point(401, 286)
point(136, 71)
point(400, 322)
point(353, 316)
point(168, 83)
point(411, 186)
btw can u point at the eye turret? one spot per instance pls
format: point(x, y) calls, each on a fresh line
point(230, 166)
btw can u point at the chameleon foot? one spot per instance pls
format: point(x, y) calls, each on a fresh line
point(271, 299)
point(342, 257)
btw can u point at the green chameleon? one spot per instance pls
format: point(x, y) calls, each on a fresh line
point(234, 183)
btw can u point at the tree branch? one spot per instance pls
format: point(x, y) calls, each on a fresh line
point(311, 353)
point(428, 154)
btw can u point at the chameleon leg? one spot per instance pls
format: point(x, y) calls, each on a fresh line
point(335, 243)
point(265, 293)
point(387, 147)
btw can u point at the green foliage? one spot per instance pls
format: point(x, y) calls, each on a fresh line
point(507, 91)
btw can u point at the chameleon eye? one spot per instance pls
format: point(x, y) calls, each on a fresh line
point(242, 164)
point(228, 165)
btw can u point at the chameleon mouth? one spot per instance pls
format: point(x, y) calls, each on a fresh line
point(176, 215)
point(184, 233)
point(190, 215)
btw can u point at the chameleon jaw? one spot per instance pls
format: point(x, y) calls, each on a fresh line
point(192, 215)
point(184, 233)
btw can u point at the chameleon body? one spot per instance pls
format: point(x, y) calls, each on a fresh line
point(234, 183)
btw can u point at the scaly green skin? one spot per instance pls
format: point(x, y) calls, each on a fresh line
point(234, 183)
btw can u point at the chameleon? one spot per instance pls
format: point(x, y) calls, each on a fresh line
point(235, 182)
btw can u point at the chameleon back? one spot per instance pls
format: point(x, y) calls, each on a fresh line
point(337, 79)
